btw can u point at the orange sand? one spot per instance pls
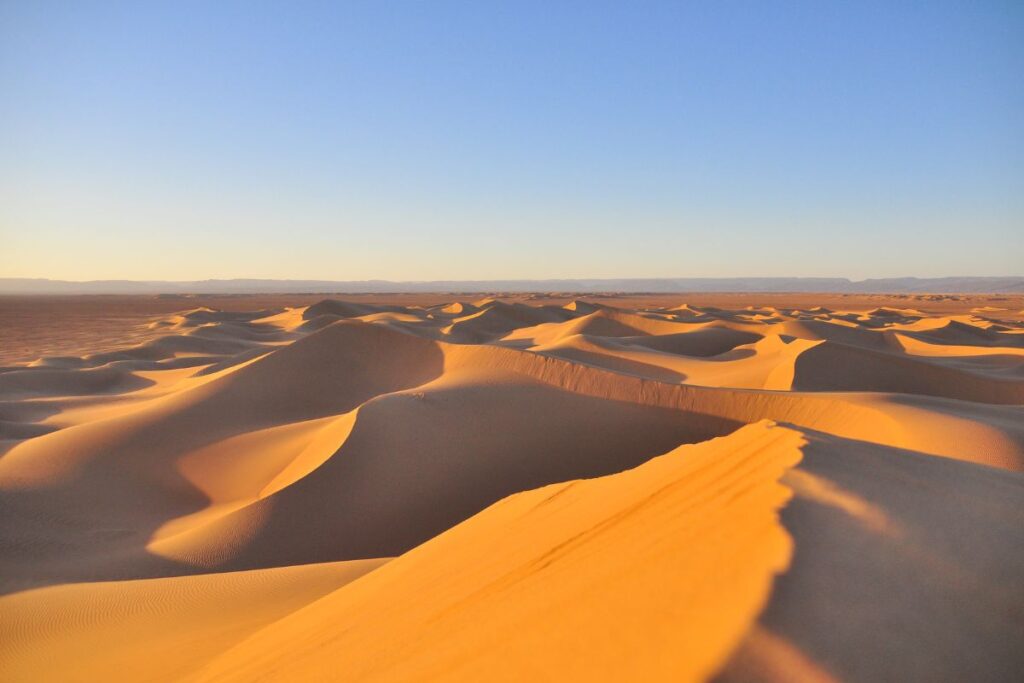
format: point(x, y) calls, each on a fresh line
point(217, 498)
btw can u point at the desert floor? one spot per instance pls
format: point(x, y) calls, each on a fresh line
point(729, 487)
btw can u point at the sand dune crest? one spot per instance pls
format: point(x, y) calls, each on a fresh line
point(666, 492)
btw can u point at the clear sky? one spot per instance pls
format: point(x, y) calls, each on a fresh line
point(427, 140)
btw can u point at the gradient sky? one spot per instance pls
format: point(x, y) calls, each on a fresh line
point(475, 140)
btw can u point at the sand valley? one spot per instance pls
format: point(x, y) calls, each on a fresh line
point(392, 488)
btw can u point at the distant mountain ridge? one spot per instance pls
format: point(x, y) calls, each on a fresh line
point(943, 285)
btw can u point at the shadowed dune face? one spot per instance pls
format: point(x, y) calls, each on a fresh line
point(941, 543)
point(297, 441)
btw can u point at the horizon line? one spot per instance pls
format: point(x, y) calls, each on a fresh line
point(964, 284)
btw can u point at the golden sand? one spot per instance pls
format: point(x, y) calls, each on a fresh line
point(518, 490)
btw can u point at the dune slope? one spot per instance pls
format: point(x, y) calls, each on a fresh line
point(569, 491)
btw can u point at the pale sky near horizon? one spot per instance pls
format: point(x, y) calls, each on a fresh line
point(476, 140)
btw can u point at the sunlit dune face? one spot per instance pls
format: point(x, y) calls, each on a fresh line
point(602, 489)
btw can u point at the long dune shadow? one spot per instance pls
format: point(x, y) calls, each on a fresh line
point(80, 504)
point(418, 463)
point(898, 555)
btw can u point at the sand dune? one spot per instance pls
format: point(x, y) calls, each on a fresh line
point(937, 542)
point(569, 490)
point(67, 632)
point(530, 584)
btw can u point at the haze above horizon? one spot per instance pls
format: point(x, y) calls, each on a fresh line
point(462, 141)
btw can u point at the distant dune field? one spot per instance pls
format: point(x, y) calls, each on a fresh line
point(730, 487)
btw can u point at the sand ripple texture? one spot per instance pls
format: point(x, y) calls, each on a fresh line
point(498, 490)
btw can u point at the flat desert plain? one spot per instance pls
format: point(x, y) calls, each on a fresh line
point(427, 487)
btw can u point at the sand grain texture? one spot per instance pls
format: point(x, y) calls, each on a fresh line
point(605, 489)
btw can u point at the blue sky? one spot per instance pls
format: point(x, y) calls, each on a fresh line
point(495, 140)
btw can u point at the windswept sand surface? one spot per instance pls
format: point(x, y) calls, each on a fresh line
point(428, 489)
